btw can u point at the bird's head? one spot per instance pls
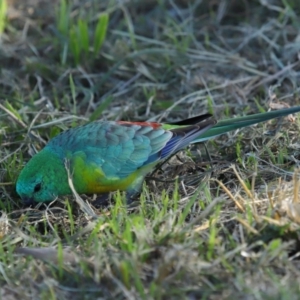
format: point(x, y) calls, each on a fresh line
point(43, 178)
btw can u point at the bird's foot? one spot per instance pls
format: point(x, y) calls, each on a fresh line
point(132, 197)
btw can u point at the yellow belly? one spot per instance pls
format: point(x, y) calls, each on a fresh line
point(100, 184)
point(90, 179)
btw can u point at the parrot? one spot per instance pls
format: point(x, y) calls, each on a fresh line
point(105, 156)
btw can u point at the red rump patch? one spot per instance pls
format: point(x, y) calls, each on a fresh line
point(151, 124)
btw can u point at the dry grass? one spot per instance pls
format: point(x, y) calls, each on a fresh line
point(228, 227)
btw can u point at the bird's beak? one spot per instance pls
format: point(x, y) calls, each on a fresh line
point(28, 201)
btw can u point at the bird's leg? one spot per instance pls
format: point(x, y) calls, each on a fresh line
point(131, 196)
point(134, 190)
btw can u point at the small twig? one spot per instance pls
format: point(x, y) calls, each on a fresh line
point(239, 205)
point(20, 122)
point(296, 186)
point(83, 206)
point(247, 225)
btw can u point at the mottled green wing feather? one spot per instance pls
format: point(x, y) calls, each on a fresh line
point(118, 149)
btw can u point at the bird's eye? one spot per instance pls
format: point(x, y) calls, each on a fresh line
point(37, 187)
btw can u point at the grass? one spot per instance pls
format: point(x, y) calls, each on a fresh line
point(74, 36)
point(228, 226)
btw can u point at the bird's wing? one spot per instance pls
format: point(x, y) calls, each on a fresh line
point(118, 149)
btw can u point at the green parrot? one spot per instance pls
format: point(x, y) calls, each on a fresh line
point(105, 156)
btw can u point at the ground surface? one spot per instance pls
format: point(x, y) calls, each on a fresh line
point(228, 228)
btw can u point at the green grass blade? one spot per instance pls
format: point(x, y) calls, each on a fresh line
point(83, 33)
point(99, 110)
point(63, 18)
point(100, 32)
point(3, 12)
point(75, 46)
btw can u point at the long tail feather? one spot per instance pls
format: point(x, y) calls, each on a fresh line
point(224, 126)
point(184, 136)
point(192, 121)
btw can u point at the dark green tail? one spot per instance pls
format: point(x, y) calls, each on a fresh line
point(232, 124)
